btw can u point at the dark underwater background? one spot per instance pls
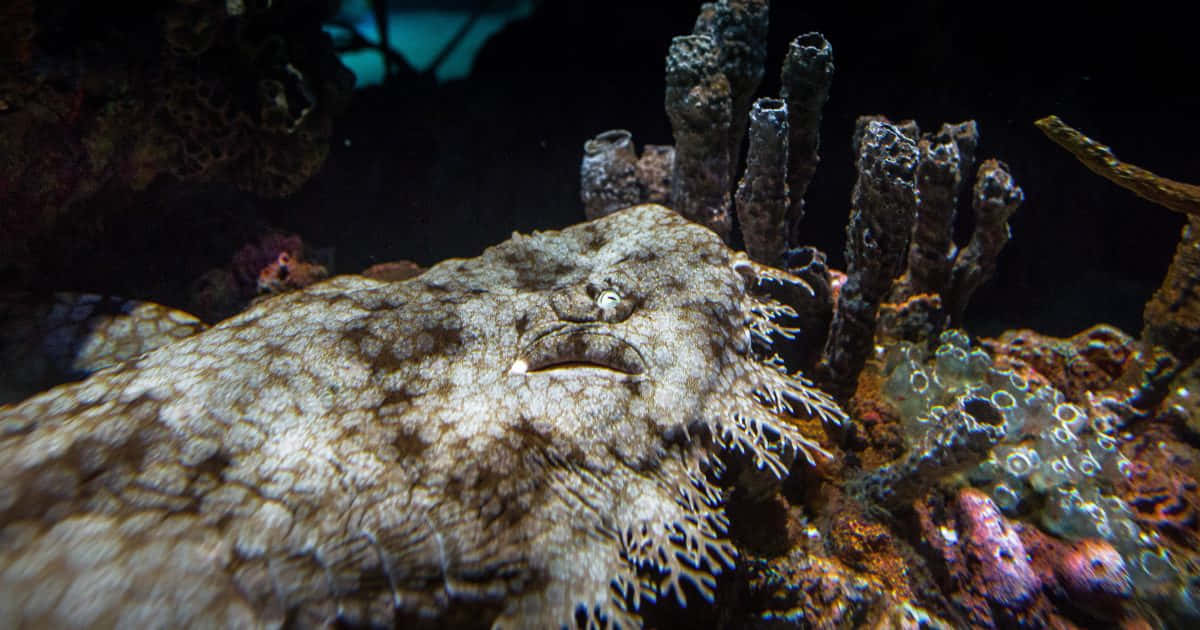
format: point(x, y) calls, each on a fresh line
point(423, 169)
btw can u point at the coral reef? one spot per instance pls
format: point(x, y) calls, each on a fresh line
point(1065, 463)
point(604, 426)
point(848, 571)
point(206, 92)
point(711, 77)
point(1161, 488)
point(331, 454)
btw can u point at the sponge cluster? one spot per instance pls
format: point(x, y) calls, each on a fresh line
point(1056, 464)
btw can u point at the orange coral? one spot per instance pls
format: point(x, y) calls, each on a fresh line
point(287, 272)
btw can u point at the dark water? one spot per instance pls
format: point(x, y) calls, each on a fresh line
point(423, 171)
point(1082, 249)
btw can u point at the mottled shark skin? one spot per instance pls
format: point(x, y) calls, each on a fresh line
point(46, 340)
point(526, 439)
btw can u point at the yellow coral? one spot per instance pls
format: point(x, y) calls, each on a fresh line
point(1168, 193)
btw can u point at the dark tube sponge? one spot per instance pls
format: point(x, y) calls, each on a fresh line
point(739, 27)
point(939, 177)
point(698, 103)
point(805, 78)
point(883, 207)
point(608, 176)
point(995, 198)
point(762, 196)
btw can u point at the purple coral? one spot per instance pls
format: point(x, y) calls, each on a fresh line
point(253, 258)
point(996, 550)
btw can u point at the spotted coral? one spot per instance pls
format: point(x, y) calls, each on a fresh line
point(1054, 462)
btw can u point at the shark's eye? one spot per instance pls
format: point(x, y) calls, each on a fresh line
point(608, 298)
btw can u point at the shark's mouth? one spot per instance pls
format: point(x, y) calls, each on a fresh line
point(579, 348)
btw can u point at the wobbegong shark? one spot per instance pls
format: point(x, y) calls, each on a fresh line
point(531, 438)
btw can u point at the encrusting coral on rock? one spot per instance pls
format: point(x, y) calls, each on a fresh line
point(1066, 465)
point(1027, 435)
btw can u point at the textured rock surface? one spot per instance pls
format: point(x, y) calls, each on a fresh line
point(516, 439)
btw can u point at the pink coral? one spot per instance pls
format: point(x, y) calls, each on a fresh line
point(1093, 567)
point(1005, 573)
point(273, 265)
point(253, 258)
point(996, 549)
point(1090, 573)
point(288, 272)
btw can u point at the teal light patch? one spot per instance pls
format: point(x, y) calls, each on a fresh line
point(419, 36)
